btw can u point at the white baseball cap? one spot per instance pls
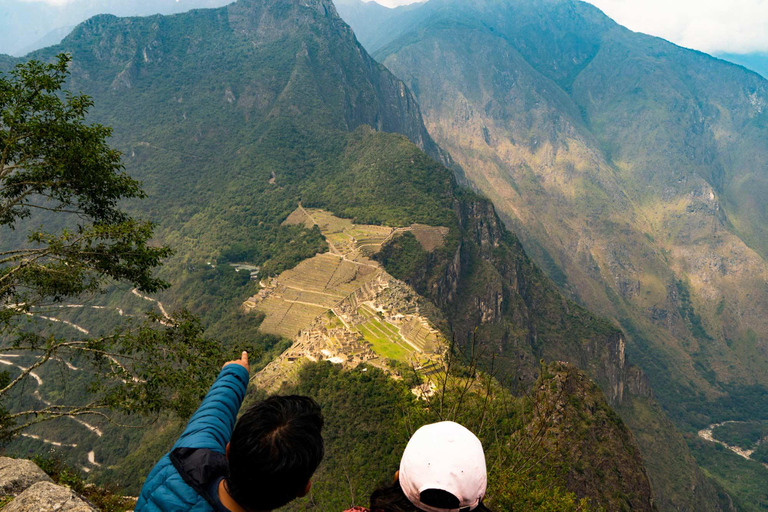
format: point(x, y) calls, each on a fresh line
point(444, 456)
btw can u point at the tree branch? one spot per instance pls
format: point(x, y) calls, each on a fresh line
point(42, 360)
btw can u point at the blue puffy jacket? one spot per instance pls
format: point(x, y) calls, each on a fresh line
point(182, 480)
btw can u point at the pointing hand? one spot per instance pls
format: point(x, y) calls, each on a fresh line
point(243, 361)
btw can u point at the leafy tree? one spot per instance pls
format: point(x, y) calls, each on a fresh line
point(60, 172)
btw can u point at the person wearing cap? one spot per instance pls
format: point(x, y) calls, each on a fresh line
point(442, 470)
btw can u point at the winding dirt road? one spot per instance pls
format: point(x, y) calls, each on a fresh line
point(150, 299)
point(7, 360)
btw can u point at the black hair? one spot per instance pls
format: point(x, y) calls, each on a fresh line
point(393, 499)
point(275, 448)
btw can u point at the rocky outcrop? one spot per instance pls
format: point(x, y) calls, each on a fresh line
point(598, 455)
point(34, 491)
point(520, 315)
point(48, 497)
point(16, 475)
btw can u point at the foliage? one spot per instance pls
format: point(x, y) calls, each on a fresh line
point(742, 478)
point(106, 499)
point(369, 418)
point(51, 161)
point(745, 435)
point(403, 257)
point(534, 491)
point(365, 434)
point(687, 312)
point(132, 462)
point(761, 453)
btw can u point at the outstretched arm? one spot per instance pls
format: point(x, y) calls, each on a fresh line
point(212, 424)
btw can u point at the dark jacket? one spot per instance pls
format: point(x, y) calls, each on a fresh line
point(182, 480)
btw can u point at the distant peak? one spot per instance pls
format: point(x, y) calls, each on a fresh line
point(263, 21)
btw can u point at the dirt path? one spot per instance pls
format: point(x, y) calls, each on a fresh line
point(48, 441)
point(159, 304)
point(6, 359)
point(58, 320)
point(96, 430)
point(79, 306)
point(706, 434)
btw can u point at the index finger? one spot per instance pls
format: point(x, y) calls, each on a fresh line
point(244, 356)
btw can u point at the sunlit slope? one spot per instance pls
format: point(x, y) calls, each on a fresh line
point(234, 117)
point(615, 158)
point(631, 169)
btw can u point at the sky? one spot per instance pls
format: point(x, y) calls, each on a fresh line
point(712, 26)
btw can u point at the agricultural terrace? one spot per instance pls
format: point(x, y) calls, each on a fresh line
point(341, 305)
point(385, 338)
point(293, 300)
point(345, 238)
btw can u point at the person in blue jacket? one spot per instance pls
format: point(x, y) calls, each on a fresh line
point(263, 462)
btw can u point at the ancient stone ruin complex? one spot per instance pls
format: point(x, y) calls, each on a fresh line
point(343, 307)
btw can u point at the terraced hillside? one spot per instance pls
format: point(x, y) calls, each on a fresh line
point(342, 306)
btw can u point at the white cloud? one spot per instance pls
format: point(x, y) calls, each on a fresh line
point(737, 26)
point(394, 3)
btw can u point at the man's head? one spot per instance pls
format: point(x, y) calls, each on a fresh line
point(275, 448)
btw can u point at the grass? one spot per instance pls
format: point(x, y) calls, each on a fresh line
point(743, 479)
point(384, 338)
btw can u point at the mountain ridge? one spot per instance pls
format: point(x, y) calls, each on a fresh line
point(618, 160)
point(233, 116)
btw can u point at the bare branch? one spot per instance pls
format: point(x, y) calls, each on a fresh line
point(41, 360)
point(57, 210)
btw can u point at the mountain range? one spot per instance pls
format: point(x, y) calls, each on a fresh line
point(613, 157)
point(26, 26)
point(633, 171)
point(757, 62)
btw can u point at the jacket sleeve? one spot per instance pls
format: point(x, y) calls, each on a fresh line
point(212, 424)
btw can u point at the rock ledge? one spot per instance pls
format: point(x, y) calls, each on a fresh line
point(35, 491)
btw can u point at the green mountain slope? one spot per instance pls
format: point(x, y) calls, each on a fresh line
point(632, 170)
point(757, 62)
point(233, 117)
point(616, 157)
point(29, 26)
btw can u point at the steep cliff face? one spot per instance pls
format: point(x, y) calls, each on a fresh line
point(503, 309)
point(303, 59)
point(515, 299)
point(500, 303)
